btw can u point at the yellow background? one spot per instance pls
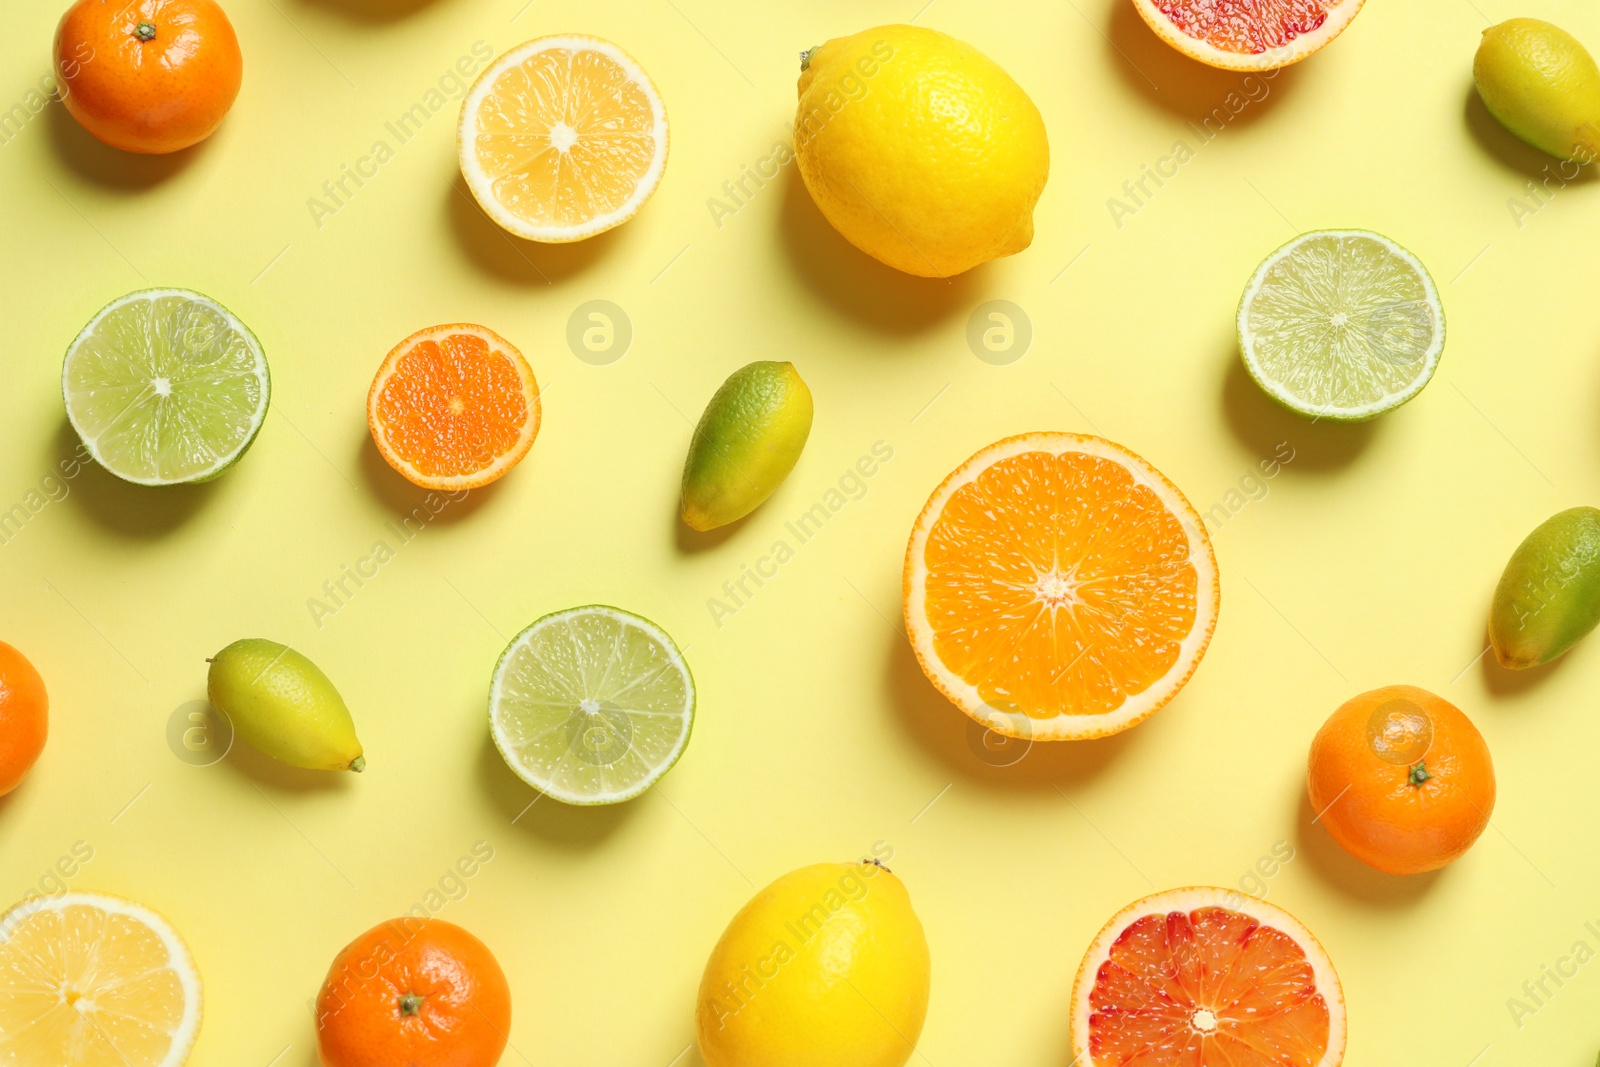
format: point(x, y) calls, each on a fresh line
point(1371, 559)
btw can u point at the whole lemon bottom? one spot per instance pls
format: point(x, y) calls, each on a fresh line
point(826, 967)
point(919, 149)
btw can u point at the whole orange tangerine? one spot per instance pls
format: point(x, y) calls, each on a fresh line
point(151, 76)
point(24, 717)
point(418, 992)
point(1401, 779)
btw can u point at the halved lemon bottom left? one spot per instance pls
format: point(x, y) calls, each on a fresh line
point(94, 981)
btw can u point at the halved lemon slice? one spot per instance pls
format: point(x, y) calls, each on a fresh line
point(88, 980)
point(1058, 587)
point(1248, 34)
point(1206, 976)
point(562, 138)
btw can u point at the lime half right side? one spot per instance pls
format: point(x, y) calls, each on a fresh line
point(591, 705)
point(1341, 324)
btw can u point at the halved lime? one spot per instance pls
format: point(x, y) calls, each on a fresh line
point(591, 705)
point(166, 386)
point(1341, 324)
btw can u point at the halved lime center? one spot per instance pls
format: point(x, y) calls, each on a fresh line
point(165, 386)
point(592, 705)
point(1341, 323)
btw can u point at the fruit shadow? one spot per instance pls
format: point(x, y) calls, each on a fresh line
point(1515, 154)
point(372, 11)
point(1185, 87)
point(93, 160)
point(569, 826)
point(269, 773)
point(512, 259)
point(854, 283)
point(407, 500)
point(143, 512)
point(1505, 682)
point(1350, 875)
point(964, 747)
point(1262, 425)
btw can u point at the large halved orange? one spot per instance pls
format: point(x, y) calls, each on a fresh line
point(1058, 587)
point(1205, 977)
point(453, 407)
point(1248, 34)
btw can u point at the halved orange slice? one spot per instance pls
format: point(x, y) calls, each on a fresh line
point(1058, 587)
point(563, 138)
point(1205, 977)
point(1248, 34)
point(453, 407)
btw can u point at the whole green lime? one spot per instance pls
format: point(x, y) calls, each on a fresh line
point(1542, 85)
point(1549, 596)
point(747, 442)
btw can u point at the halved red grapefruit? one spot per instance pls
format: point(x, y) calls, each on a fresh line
point(1248, 34)
point(1204, 977)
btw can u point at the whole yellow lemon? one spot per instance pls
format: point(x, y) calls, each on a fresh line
point(826, 967)
point(920, 149)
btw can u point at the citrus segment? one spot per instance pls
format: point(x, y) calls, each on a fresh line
point(1248, 34)
point(562, 138)
point(591, 705)
point(454, 407)
point(1341, 324)
point(1057, 586)
point(166, 386)
point(1206, 978)
point(93, 981)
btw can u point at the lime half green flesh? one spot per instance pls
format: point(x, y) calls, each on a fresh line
point(591, 705)
point(166, 386)
point(1341, 324)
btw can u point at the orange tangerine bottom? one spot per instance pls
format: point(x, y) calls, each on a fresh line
point(1207, 978)
point(453, 407)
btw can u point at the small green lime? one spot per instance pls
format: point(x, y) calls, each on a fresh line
point(1549, 596)
point(1542, 85)
point(279, 702)
point(747, 442)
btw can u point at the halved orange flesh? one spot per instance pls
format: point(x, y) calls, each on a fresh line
point(1057, 587)
point(1204, 977)
point(562, 138)
point(453, 407)
point(1248, 34)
